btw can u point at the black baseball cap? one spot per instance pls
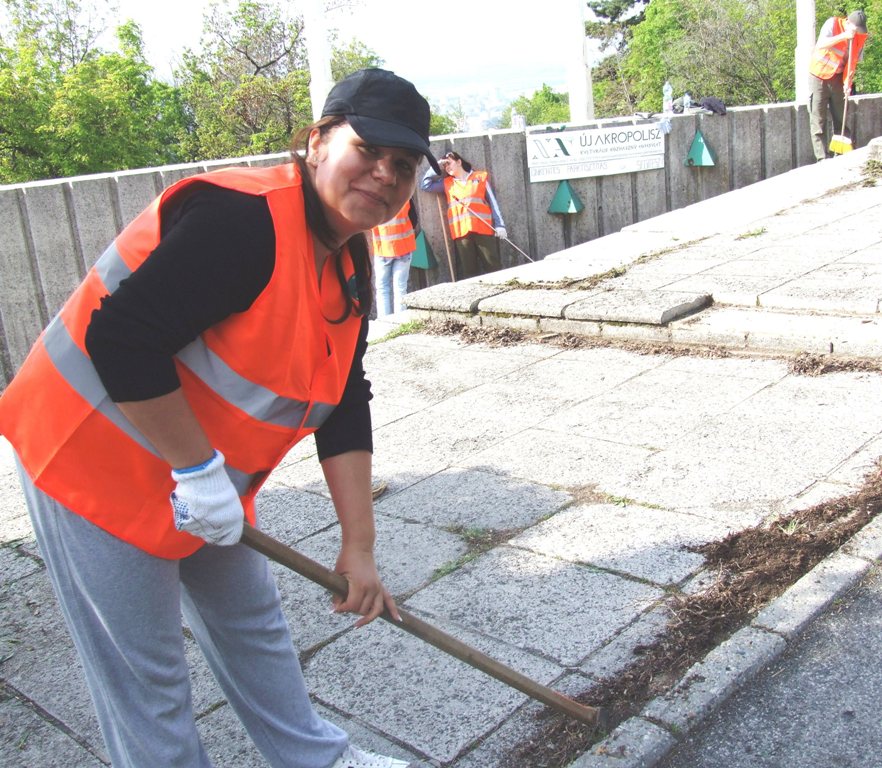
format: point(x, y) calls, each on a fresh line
point(384, 109)
point(859, 19)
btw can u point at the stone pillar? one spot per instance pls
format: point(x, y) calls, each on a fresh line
point(805, 42)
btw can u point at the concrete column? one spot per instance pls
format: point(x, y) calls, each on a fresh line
point(319, 54)
point(805, 42)
point(578, 64)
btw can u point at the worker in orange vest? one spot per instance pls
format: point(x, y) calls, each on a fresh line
point(393, 244)
point(473, 215)
point(225, 323)
point(831, 75)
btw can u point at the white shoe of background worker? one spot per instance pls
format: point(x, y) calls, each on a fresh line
point(393, 244)
point(831, 74)
point(473, 215)
point(222, 326)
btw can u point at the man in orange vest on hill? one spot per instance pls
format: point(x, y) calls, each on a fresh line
point(831, 74)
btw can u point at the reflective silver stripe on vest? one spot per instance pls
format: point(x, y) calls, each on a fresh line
point(111, 268)
point(317, 415)
point(80, 374)
point(257, 401)
point(392, 238)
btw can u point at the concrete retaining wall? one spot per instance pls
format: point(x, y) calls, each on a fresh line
point(54, 230)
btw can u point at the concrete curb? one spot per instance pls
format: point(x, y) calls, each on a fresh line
point(646, 739)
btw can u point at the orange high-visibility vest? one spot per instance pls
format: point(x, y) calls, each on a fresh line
point(467, 206)
point(826, 62)
point(258, 381)
point(396, 237)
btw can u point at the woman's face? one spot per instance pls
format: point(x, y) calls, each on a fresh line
point(359, 184)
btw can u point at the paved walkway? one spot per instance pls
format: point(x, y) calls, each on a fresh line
point(601, 465)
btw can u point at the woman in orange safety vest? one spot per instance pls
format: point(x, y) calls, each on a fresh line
point(225, 323)
point(473, 215)
point(831, 75)
point(393, 244)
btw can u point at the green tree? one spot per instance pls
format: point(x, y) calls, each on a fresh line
point(67, 107)
point(741, 51)
point(441, 123)
point(351, 57)
point(544, 106)
point(247, 89)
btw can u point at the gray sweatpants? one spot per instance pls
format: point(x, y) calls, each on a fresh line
point(123, 610)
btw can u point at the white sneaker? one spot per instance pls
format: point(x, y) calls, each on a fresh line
point(358, 758)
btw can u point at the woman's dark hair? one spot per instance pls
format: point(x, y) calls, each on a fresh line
point(319, 225)
point(467, 166)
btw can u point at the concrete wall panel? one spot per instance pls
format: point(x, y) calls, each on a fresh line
point(92, 201)
point(778, 135)
point(58, 261)
point(135, 191)
point(616, 202)
point(746, 146)
point(22, 311)
point(54, 231)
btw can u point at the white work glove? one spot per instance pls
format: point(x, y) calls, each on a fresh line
point(501, 233)
point(206, 504)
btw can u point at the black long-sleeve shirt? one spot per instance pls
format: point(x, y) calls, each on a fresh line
point(216, 255)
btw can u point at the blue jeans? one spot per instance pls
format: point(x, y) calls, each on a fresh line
point(391, 279)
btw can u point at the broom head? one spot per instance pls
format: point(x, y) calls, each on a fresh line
point(839, 145)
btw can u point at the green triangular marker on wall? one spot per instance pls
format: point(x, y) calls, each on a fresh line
point(700, 153)
point(565, 200)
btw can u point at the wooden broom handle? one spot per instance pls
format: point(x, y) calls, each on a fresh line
point(337, 584)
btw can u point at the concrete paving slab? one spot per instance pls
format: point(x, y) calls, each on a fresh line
point(544, 303)
point(412, 692)
point(504, 593)
point(866, 256)
point(763, 370)
point(753, 446)
point(451, 297)
point(16, 564)
point(561, 461)
point(619, 652)
point(226, 741)
point(761, 267)
point(624, 306)
point(855, 470)
point(469, 499)
point(28, 740)
point(39, 660)
point(811, 255)
point(835, 241)
point(408, 555)
point(290, 515)
point(648, 544)
point(663, 406)
point(740, 290)
point(782, 332)
point(837, 288)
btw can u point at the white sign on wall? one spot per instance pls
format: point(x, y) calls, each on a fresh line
point(595, 152)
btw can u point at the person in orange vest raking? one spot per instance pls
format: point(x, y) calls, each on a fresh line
point(224, 324)
point(393, 244)
point(839, 48)
point(473, 215)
